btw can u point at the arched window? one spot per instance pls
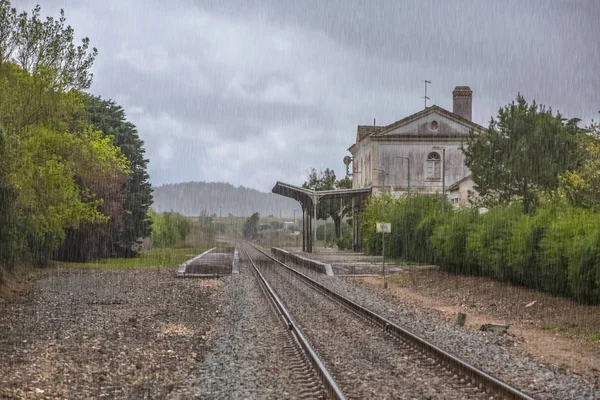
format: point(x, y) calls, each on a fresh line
point(433, 166)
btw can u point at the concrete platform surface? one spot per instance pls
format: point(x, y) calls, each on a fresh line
point(344, 262)
point(213, 263)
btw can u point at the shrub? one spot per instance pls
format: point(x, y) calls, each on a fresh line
point(525, 258)
point(449, 241)
point(345, 242)
point(556, 249)
point(413, 220)
point(488, 241)
point(169, 229)
point(560, 243)
point(326, 229)
point(584, 270)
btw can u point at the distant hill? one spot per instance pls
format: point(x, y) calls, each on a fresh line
point(195, 198)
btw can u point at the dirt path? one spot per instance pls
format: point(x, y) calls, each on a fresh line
point(94, 333)
point(551, 329)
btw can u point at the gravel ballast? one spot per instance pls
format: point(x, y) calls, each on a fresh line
point(364, 361)
point(250, 354)
point(490, 352)
point(104, 333)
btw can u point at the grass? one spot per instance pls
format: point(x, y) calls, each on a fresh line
point(554, 327)
point(592, 336)
point(402, 279)
point(157, 257)
point(281, 241)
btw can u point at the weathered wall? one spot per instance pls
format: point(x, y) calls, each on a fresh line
point(413, 139)
point(417, 152)
point(463, 192)
point(426, 126)
point(363, 164)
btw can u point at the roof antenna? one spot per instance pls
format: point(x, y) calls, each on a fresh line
point(425, 97)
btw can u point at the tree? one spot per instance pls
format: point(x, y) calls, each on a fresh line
point(9, 235)
point(250, 228)
point(53, 176)
point(98, 240)
point(45, 48)
point(326, 180)
point(109, 117)
point(581, 186)
point(521, 155)
point(58, 173)
point(127, 200)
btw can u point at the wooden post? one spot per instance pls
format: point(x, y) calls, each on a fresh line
point(461, 319)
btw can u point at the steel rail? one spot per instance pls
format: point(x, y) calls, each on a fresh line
point(325, 377)
point(482, 378)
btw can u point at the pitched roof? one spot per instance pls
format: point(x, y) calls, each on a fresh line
point(366, 130)
point(456, 184)
point(369, 130)
point(426, 111)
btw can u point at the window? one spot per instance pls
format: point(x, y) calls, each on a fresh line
point(434, 166)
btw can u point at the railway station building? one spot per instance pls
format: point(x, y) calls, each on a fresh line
point(419, 153)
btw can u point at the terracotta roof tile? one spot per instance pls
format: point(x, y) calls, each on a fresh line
point(365, 130)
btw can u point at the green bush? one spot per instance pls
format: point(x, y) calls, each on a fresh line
point(413, 220)
point(584, 270)
point(169, 229)
point(556, 249)
point(525, 248)
point(329, 229)
point(552, 274)
point(345, 242)
point(449, 242)
point(487, 244)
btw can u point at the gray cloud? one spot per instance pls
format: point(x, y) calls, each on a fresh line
point(254, 92)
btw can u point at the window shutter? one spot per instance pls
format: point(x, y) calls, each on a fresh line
point(429, 169)
point(437, 169)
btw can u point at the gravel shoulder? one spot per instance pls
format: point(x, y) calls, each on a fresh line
point(104, 333)
point(555, 330)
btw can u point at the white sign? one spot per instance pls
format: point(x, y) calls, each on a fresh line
point(384, 227)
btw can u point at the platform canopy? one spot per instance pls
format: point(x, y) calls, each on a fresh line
point(309, 199)
point(306, 196)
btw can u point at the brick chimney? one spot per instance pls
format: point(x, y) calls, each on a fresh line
point(462, 102)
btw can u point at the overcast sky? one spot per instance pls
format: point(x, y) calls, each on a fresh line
point(251, 92)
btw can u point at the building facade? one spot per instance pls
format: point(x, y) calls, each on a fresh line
point(461, 193)
point(426, 144)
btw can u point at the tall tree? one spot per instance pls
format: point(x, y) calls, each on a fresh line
point(521, 155)
point(45, 48)
point(250, 228)
point(54, 176)
point(326, 180)
point(129, 199)
point(110, 118)
point(55, 167)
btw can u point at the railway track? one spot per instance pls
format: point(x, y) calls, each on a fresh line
point(368, 355)
point(297, 347)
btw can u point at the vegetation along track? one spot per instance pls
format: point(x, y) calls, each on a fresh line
point(297, 348)
point(370, 356)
